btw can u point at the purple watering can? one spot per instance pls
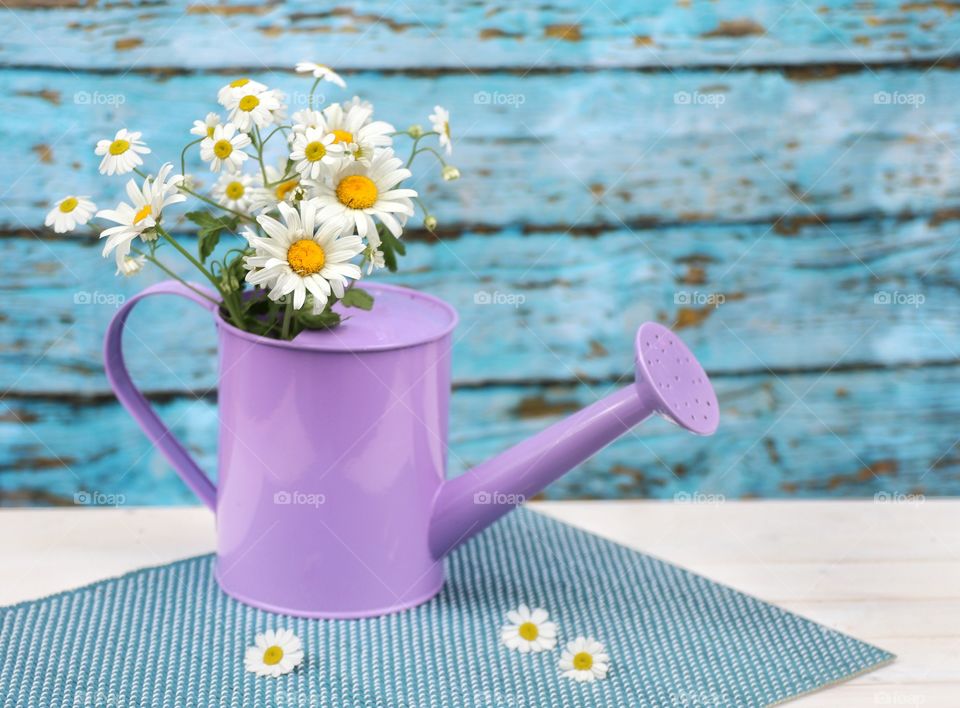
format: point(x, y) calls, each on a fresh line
point(331, 499)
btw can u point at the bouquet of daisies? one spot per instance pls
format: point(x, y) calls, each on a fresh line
point(330, 209)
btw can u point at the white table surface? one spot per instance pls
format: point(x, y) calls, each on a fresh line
point(885, 572)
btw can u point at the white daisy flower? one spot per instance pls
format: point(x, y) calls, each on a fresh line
point(266, 198)
point(141, 217)
point(440, 119)
point(301, 255)
point(357, 102)
point(306, 118)
point(122, 154)
point(374, 259)
point(165, 188)
point(234, 190)
point(255, 108)
point(130, 265)
point(450, 173)
point(584, 659)
point(315, 153)
point(204, 128)
point(69, 212)
point(225, 148)
point(529, 630)
point(321, 71)
point(274, 653)
point(351, 125)
point(239, 87)
point(358, 192)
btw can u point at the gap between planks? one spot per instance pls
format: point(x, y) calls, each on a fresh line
point(797, 71)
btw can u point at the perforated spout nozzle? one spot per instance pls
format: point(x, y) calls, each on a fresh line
point(671, 379)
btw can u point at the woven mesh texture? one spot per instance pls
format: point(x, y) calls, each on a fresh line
point(167, 636)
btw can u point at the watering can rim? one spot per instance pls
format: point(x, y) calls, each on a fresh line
point(436, 319)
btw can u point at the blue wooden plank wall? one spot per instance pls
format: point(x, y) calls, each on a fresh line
point(780, 182)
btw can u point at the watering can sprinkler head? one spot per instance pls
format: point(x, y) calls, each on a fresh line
point(669, 382)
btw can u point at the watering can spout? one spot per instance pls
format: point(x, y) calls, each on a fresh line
point(669, 381)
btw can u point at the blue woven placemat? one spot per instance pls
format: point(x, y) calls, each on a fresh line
point(167, 636)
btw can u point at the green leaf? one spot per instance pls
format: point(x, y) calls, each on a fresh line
point(355, 297)
point(325, 320)
point(210, 228)
point(391, 247)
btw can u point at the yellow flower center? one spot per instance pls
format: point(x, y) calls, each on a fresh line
point(284, 188)
point(272, 655)
point(446, 128)
point(342, 136)
point(210, 131)
point(222, 149)
point(306, 257)
point(583, 661)
point(234, 190)
point(357, 192)
point(118, 147)
point(145, 211)
point(237, 83)
point(529, 631)
point(68, 205)
point(248, 103)
point(315, 151)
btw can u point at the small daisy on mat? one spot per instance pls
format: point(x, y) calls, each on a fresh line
point(584, 659)
point(275, 653)
point(529, 630)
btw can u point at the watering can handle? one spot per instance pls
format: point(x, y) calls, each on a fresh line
point(135, 402)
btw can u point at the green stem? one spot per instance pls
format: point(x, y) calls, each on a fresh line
point(407, 132)
point(228, 299)
point(212, 203)
point(271, 319)
point(173, 275)
point(274, 131)
point(286, 178)
point(190, 257)
point(428, 149)
point(423, 207)
point(413, 150)
point(287, 315)
point(183, 155)
point(313, 90)
point(259, 146)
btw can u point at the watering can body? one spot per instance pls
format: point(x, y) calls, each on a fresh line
point(330, 498)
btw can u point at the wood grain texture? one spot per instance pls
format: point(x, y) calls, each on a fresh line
point(468, 37)
point(778, 181)
point(746, 299)
point(801, 435)
point(579, 152)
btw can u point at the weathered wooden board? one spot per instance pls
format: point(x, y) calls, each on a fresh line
point(565, 33)
point(545, 306)
point(579, 151)
point(839, 434)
